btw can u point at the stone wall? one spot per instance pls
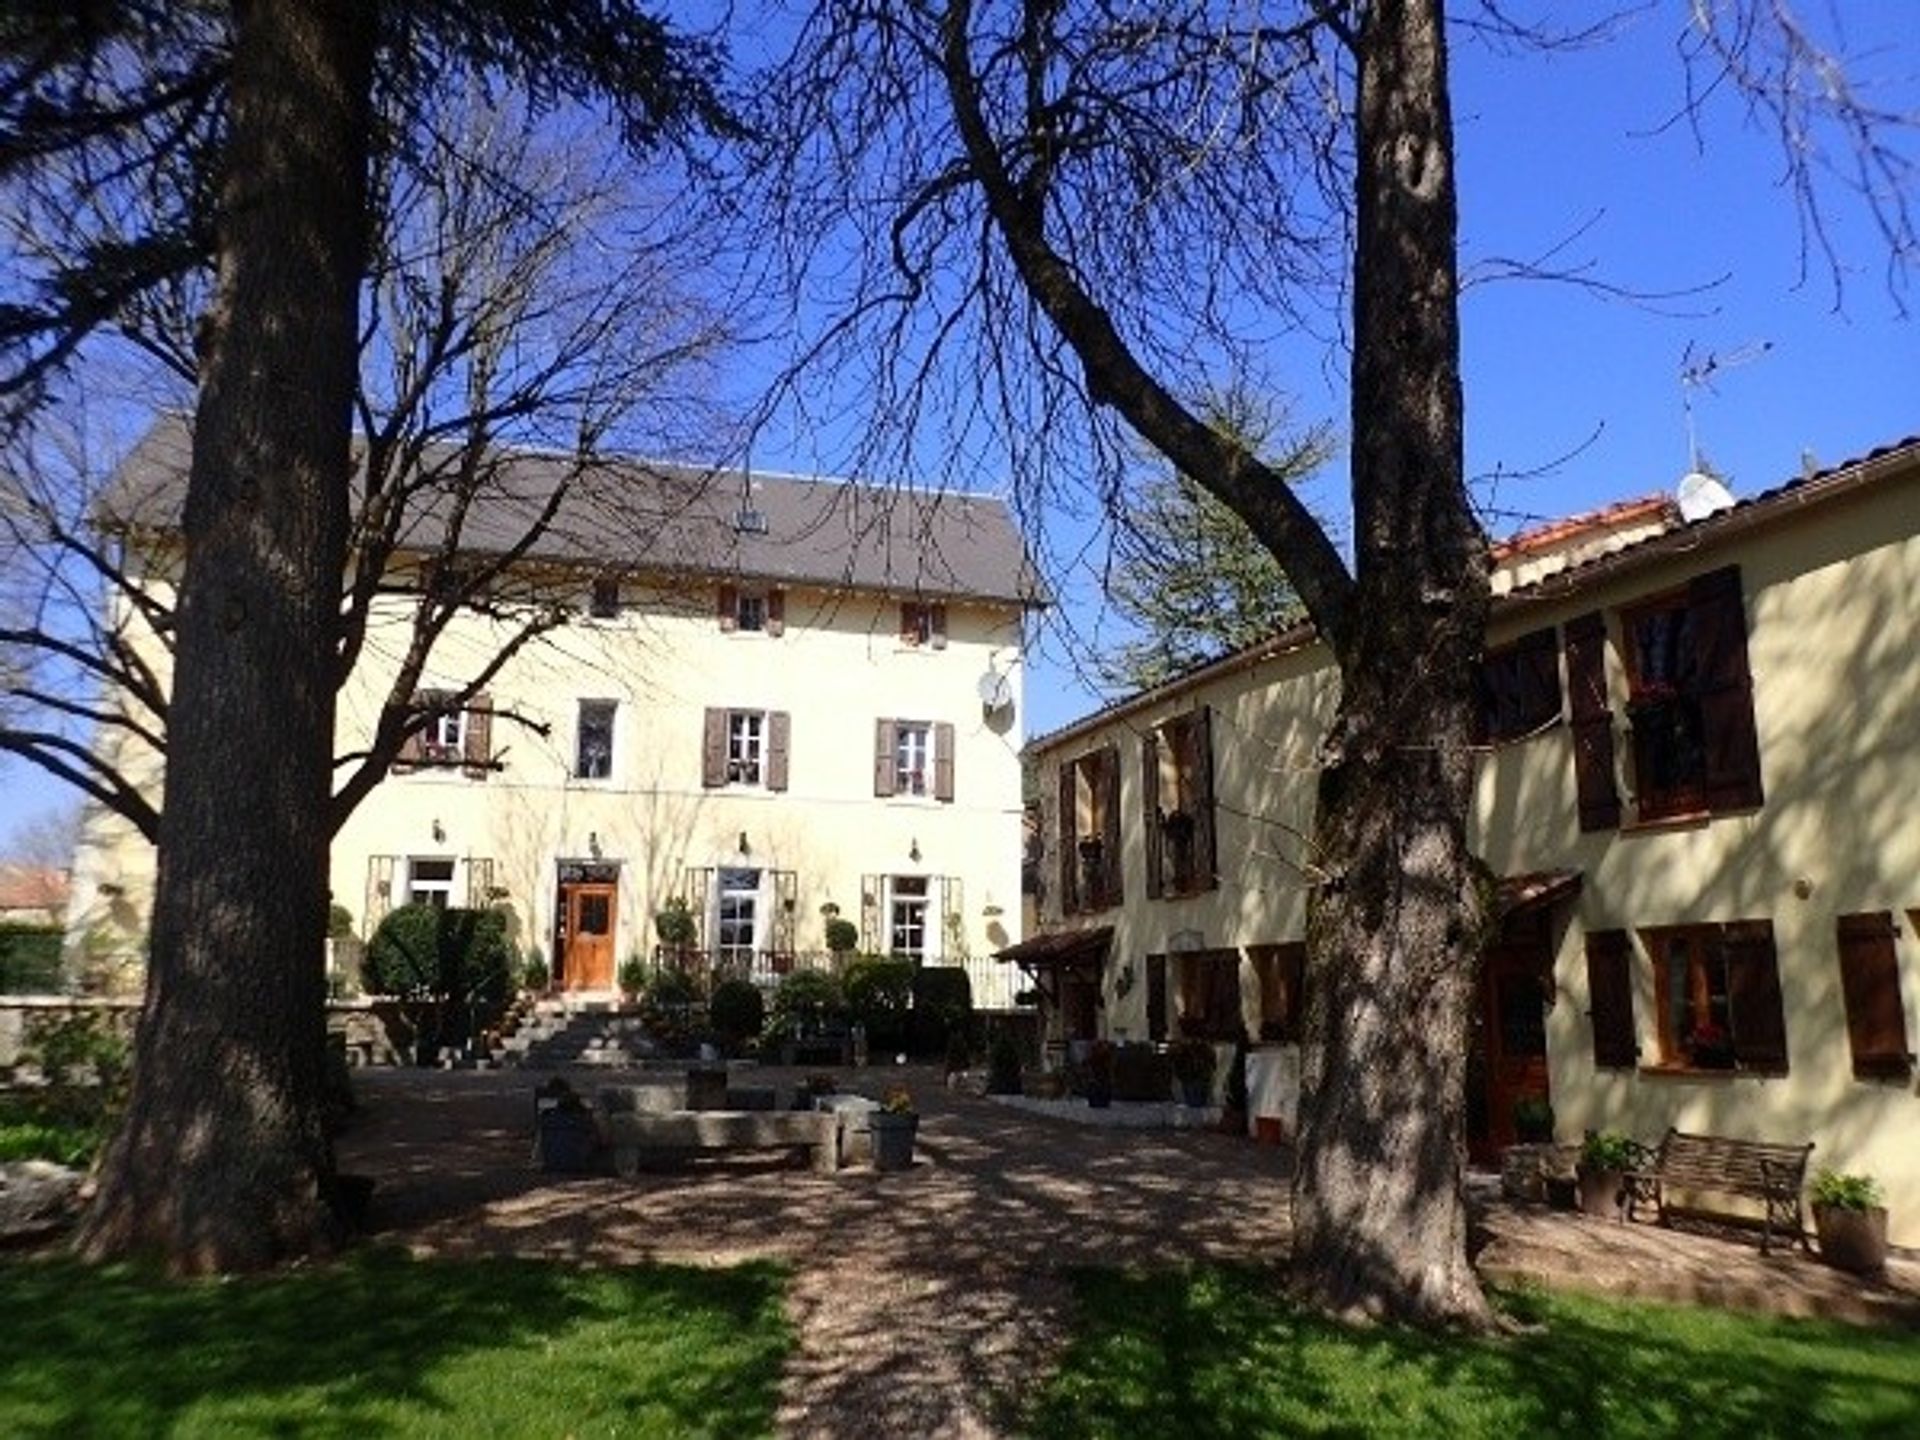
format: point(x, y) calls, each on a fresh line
point(374, 1031)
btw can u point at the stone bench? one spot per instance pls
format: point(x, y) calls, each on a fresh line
point(632, 1135)
point(853, 1116)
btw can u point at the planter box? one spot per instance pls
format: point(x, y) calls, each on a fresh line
point(892, 1137)
point(1600, 1194)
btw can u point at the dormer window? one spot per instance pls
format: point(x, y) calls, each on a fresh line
point(923, 624)
point(744, 609)
point(604, 603)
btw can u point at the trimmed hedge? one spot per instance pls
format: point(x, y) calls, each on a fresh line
point(879, 995)
point(453, 959)
point(806, 1000)
point(737, 1011)
point(29, 959)
point(942, 1010)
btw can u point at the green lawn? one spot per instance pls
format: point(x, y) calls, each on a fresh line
point(1220, 1353)
point(383, 1346)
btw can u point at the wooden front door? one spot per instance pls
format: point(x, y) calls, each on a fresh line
point(587, 912)
point(1510, 1033)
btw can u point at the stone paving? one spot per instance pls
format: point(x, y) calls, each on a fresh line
point(924, 1301)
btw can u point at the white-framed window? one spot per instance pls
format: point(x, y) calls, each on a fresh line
point(912, 757)
point(736, 921)
point(908, 913)
point(746, 746)
point(430, 882)
point(593, 759)
point(445, 737)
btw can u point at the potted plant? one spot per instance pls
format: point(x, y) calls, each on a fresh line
point(842, 937)
point(1533, 1120)
point(1604, 1160)
point(673, 922)
point(1851, 1221)
point(1193, 1066)
point(893, 1127)
point(633, 977)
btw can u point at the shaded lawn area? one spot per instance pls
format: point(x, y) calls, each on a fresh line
point(384, 1345)
point(1221, 1353)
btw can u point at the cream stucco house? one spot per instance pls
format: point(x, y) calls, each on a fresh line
point(768, 702)
point(1698, 784)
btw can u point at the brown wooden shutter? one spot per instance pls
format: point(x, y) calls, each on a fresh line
point(1150, 812)
point(937, 626)
point(1725, 690)
point(1281, 971)
point(1610, 998)
point(1599, 797)
point(779, 743)
point(1753, 997)
point(1206, 860)
point(943, 761)
point(1070, 898)
point(1156, 997)
point(1226, 1020)
point(1110, 827)
point(479, 736)
point(885, 773)
point(413, 746)
point(1192, 979)
point(713, 749)
point(1870, 985)
point(727, 609)
point(776, 612)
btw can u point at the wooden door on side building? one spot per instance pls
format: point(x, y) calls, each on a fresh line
point(1510, 1032)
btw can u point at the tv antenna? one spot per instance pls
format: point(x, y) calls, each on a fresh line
point(1697, 368)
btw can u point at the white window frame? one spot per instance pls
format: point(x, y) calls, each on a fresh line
point(747, 747)
point(730, 892)
point(421, 889)
point(910, 904)
point(913, 757)
point(445, 737)
point(612, 708)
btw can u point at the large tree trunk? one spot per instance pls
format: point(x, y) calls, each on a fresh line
point(1396, 929)
point(222, 1162)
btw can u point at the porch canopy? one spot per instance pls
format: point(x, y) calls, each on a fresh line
point(1056, 954)
point(1535, 890)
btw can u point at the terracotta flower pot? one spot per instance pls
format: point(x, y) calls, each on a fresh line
point(1853, 1240)
point(1600, 1193)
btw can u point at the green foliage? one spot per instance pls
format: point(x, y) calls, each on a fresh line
point(669, 987)
point(806, 1000)
point(673, 922)
point(879, 992)
point(1003, 1065)
point(842, 935)
point(1837, 1191)
point(339, 922)
point(1606, 1150)
point(81, 1047)
point(381, 1344)
point(633, 974)
point(534, 974)
point(29, 959)
point(1533, 1118)
point(422, 952)
point(942, 1020)
point(736, 1011)
point(1187, 573)
point(1223, 1353)
point(65, 1126)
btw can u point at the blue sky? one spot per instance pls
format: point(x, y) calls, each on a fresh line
point(1559, 143)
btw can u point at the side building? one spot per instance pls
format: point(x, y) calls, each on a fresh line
point(1701, 742)
point(767, 704)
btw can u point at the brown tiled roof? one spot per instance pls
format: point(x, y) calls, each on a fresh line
point(32, 887)
point(666, 517)
point(1555, 533)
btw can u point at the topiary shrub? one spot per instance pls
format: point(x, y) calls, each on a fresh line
point(534, 974)
point(842, 935)
point(879, 994)
point(453, 966)
point(633, 974)
point(736, 1012)
point(942, 1011)
point(339, 922)
point(805, 1001)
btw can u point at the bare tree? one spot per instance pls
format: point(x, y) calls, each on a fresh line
point(1069, 213)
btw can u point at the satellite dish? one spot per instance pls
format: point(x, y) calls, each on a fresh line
point(995, 690)
point(1701, 495)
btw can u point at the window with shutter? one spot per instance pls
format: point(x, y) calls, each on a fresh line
point(1870, 988)
point(1176, 774)
point(603, 603)
point(477, 744)
point(1220, 1016)
point(1517, 688)
point(1610, 999)
point(1281, 971)
point(1695, 748)
point(923, 623)
point(713, 749)
point(727, 607)
point(1592, 723)
point(1717, 997)
point(943, 762)
point(1090, 831)
point(779, 748)
point(776, 613)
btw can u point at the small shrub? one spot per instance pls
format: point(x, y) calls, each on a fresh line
point(339, 922)
point(842, 935)
point(1533, 1118)
point(942, 1009)
point(1606, 1150)
point(81, 1047)
point(1836, 1191)
point(736, 1011)
point(673, 922)
point(669, 987)
point(1193, 1061)
point(533, 970)
point(633, 974)
point(806, 1000)
point(29, 959)
point(879, 993)
point(453, 962)
point(1003, 1065)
